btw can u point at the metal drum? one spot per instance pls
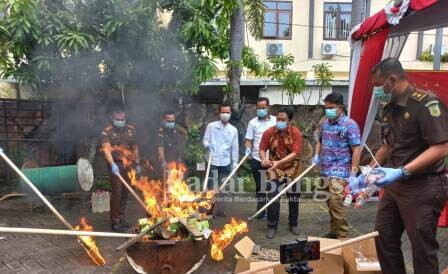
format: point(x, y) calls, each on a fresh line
point(60, 179)
point(167, 256)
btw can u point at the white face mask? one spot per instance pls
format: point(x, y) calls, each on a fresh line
point(119, 123)
point(225, 117)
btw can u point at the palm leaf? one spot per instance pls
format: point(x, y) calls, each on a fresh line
point(254, 16)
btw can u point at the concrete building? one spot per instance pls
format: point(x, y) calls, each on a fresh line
point(314, 31)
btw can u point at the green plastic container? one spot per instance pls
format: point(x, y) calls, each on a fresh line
point(61, 179)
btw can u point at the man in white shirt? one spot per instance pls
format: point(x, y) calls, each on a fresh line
point(221, 139)
point(257, 126)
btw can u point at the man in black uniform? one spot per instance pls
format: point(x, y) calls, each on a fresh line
point(415, 143)
point(170, 140)
point(121, 153)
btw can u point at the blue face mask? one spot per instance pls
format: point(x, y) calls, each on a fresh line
point(170, 125)
point(262, 112)
point(331, 113)
point(379, 93)
point(282, 125)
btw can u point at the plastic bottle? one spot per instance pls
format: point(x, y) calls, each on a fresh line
point(365, 194)
point(348, 200)
point(94, 200)
point(107, 201)
point(101, 202)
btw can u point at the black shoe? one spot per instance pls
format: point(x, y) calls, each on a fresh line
point(119, 228)
point(294, 229)
point(123, 223)
point(270, 234)
point(330, 235)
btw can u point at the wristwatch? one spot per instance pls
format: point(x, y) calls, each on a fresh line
point(406, 173)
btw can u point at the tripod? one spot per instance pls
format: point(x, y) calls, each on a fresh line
point(299, 268)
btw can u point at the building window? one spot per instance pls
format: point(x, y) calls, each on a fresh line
point(277, 20)
point(337, 20)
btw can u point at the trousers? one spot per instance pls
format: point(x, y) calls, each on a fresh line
point(413, 206)
point(273, 188)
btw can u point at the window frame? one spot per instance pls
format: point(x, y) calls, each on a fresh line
point(277, 12)
point(338, 21)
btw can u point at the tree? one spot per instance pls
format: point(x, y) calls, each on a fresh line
point(323, 77)
point(254, 14)
point(215, 31)
point(94, 49)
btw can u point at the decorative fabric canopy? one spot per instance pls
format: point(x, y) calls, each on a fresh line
point(380, 36)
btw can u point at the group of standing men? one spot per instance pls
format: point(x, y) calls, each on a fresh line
point(415, 143)
point(120, 136)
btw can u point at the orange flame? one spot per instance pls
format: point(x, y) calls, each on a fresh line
point(89, 243)
point(223, 238)
point(124, 154)
point(180, 200)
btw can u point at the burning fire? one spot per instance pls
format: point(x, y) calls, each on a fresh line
point(124, 154)
point(173, 198)
point(223, 238)
point(177, 199)
point(89, 243)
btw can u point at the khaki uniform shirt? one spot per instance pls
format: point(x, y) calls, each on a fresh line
point(119, 138)
point(411, 125)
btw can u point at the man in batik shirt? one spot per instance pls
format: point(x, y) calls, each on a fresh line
point(338, 151)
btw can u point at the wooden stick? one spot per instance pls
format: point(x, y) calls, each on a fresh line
point(233, 172)
point(324, 249)
point(64, 232)
point(204, 188)
point(140, 235)
point(10, 195)
point(98, 260)
point(36, 191)
point(131, 190)
point(350, 241)
point(282, 192)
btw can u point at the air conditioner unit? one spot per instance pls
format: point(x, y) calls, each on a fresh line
point(444, 49)
point(274, 49)
point(328, 49)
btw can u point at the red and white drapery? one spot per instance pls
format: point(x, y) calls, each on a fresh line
point(371, 43)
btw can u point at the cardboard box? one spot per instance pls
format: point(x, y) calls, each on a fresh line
point(368, 250)
point(338, 261)
point(331, 262)
point(248, 262)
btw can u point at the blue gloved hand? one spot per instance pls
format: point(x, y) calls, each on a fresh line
point(357, 183)
point(248, 151)
point(138, 169)
point(1, 150)
point(390, 175)
point(210, 148)
point(115, 169)
point(316, 159)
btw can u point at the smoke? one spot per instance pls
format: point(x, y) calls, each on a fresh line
point(132, 55)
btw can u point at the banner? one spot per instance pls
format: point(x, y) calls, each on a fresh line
point(431, 80)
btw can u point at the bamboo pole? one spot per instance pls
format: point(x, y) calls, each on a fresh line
point(140, 235)
point(324, 249)
point(35, 190)
point(282, 192)
point(93, 254)
point(204, 187)
point(233, 172)
point(64, 232)
point(131, 190)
